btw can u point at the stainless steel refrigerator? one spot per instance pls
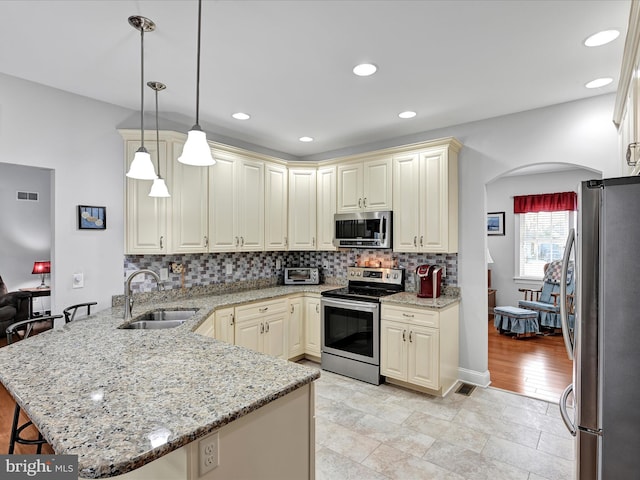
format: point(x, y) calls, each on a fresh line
point(605, 343)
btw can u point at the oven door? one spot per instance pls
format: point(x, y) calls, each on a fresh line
point(351, 329)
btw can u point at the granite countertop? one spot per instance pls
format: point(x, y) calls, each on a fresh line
point(410, 299)
point(111, 395)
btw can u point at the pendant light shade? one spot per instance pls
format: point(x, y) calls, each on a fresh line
point(141, 167)
point(159, 187)
point(196, 150)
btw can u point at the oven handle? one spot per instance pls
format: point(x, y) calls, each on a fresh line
point(342, 303)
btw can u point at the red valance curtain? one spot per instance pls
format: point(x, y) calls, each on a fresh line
point(545, 202)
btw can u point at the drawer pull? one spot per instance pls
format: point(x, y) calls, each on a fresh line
point(262, 310)
point(410, 315)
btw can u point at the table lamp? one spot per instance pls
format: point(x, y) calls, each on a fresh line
point(42, 268)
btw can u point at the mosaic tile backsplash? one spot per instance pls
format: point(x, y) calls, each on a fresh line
point(210, 268)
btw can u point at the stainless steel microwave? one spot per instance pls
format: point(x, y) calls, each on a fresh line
point(301, 276)
point(363, 230)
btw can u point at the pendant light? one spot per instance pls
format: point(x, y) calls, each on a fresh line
point(141, 167)
point(196, 150)
point(159, 187)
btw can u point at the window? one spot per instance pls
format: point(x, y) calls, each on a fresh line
point(542, 239)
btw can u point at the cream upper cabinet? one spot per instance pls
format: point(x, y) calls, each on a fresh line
point(275, 207)
point(147, 218)
point(325, 207)
point(302, 209)
point(425, 217)
point(365, 186)
point(236, 204)
point(189, 206)
point(312, 327)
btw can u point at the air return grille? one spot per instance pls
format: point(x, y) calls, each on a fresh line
point(28, 196)
point(465, 389)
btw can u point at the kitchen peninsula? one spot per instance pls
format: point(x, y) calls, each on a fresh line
point(135, 403)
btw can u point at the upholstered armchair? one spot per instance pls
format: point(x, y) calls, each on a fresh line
point(14, 306)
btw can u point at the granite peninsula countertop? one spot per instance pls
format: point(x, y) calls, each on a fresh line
point(109, 395)
point(410, 299)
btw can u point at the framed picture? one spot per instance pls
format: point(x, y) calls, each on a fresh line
point(495, 223)
point(92, 218)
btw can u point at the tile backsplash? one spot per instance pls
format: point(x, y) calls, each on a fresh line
point(210, 268)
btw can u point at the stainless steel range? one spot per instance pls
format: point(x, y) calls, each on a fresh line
point(351, 322)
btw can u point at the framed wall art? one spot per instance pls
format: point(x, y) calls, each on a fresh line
point(92, 218)
point(495, 223)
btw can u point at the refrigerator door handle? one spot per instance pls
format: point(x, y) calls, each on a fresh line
point(564, 317)
point(563, 410)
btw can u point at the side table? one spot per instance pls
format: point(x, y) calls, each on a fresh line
point(492, 302)
point(36, 292)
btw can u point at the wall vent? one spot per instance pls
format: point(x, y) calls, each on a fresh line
point(29, 196)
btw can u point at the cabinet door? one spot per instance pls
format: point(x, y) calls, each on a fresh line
point(223, 206)
point(302, 209)
point(438, 200)
point(250, 193)
point(296, 327)
point(312, 326)
point(393, 349)
point(275, 335)
point(325, 207)
point(189, 203)
point(224, 325)
point(406, 214)
point(350, 187)
point(376, 184)
point(275, 207)
point(250, 334)
point(424, 352)
point(146, 216)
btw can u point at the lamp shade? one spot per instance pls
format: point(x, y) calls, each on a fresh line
point(141, 167)
point(489, 258)
point(159, 188)
point(41, 267)
point(196, 150)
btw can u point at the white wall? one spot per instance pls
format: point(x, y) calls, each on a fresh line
point(500, 195)
point(75, 137)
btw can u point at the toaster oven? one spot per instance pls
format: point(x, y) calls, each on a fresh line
point(301, 276)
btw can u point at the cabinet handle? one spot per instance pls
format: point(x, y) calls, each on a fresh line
point(242, 241)
point(421, 237)
point(404, 335)
point(262, 328)
point(266, 327)
point(317, 308)
point(410, 315)
point(313, 241)
point(237, 241)
point(286, 241)
point(231, 319)
point(206, 241)
point(629, 156)
point(359, 203)
point(291, 308)
point(410, 334)
point(415, 241)
point(262, 310)
point(161, 242)
point(365, 202)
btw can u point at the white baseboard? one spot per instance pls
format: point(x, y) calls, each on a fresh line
point(482, 379)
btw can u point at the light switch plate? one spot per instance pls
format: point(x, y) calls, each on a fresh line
point(229, 269)
point(78, 280)
point(278, 264)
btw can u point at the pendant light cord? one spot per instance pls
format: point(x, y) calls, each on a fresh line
point(157, 137)
point(142, 88)
point(198, 65)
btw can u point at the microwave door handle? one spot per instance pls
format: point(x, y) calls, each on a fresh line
point(383, 228)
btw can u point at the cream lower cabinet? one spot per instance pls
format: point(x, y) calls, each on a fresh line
point(262, 327)
point(296, 326)
point(312, 326)
point(224, 325)
point(207, 328)
point(419, 347)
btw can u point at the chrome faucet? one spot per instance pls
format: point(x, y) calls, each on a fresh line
point(128, 294)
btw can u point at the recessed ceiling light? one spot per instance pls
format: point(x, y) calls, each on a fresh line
point(365, 69)
point(306, 139)
point(601, 38)
point(407, 114)
point(241, 116)
point(599, 82)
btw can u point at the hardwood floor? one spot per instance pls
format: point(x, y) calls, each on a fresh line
point(535, 366)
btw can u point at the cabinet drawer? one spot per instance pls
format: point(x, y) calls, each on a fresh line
point(255, 310)
point(416, 316)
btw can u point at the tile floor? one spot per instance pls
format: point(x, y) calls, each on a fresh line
point(368, 432)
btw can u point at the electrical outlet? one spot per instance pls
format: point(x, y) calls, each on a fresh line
point(164, 274)
point(78, 280)
point(229, 269)
point(278, 264)
point(208, 453)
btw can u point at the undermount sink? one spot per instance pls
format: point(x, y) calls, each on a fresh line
point(157, 319)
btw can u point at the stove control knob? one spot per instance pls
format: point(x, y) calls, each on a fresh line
point(388, 275)
point(353, 273)
point(359, 273)
point(395, 275)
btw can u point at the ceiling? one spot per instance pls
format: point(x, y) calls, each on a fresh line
point(289, 63)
